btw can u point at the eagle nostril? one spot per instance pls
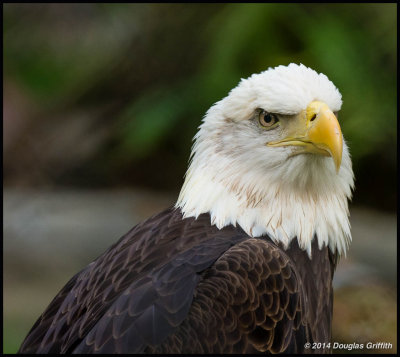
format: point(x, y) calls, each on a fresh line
point(313, 117)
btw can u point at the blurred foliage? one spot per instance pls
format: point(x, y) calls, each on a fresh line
point(154, 69)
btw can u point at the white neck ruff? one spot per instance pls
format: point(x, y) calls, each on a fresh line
point(311, 201)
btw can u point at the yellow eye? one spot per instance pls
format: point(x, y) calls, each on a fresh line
point(267, 120)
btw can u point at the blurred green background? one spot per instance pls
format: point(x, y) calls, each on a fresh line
point(101, 102)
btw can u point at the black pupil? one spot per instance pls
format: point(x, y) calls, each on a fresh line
point(268, 118)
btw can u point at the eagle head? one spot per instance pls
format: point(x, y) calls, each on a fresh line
point(271, 157)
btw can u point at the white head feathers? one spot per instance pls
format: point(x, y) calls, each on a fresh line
point(235, 177)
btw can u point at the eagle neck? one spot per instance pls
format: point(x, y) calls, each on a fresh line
point(281, 213)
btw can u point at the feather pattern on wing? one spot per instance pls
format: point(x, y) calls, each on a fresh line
point(177, 285)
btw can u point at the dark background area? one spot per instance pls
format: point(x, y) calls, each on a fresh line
point(100, 104)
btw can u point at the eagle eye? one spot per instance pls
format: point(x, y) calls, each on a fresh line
point(267, 120)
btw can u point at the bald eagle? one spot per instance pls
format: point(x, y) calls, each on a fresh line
point(244, 261)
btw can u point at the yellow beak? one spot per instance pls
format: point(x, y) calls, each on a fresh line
point(317, 131)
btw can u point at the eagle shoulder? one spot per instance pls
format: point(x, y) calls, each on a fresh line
point(249, 300)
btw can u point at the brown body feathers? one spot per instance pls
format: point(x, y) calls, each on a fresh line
point(174, 285)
